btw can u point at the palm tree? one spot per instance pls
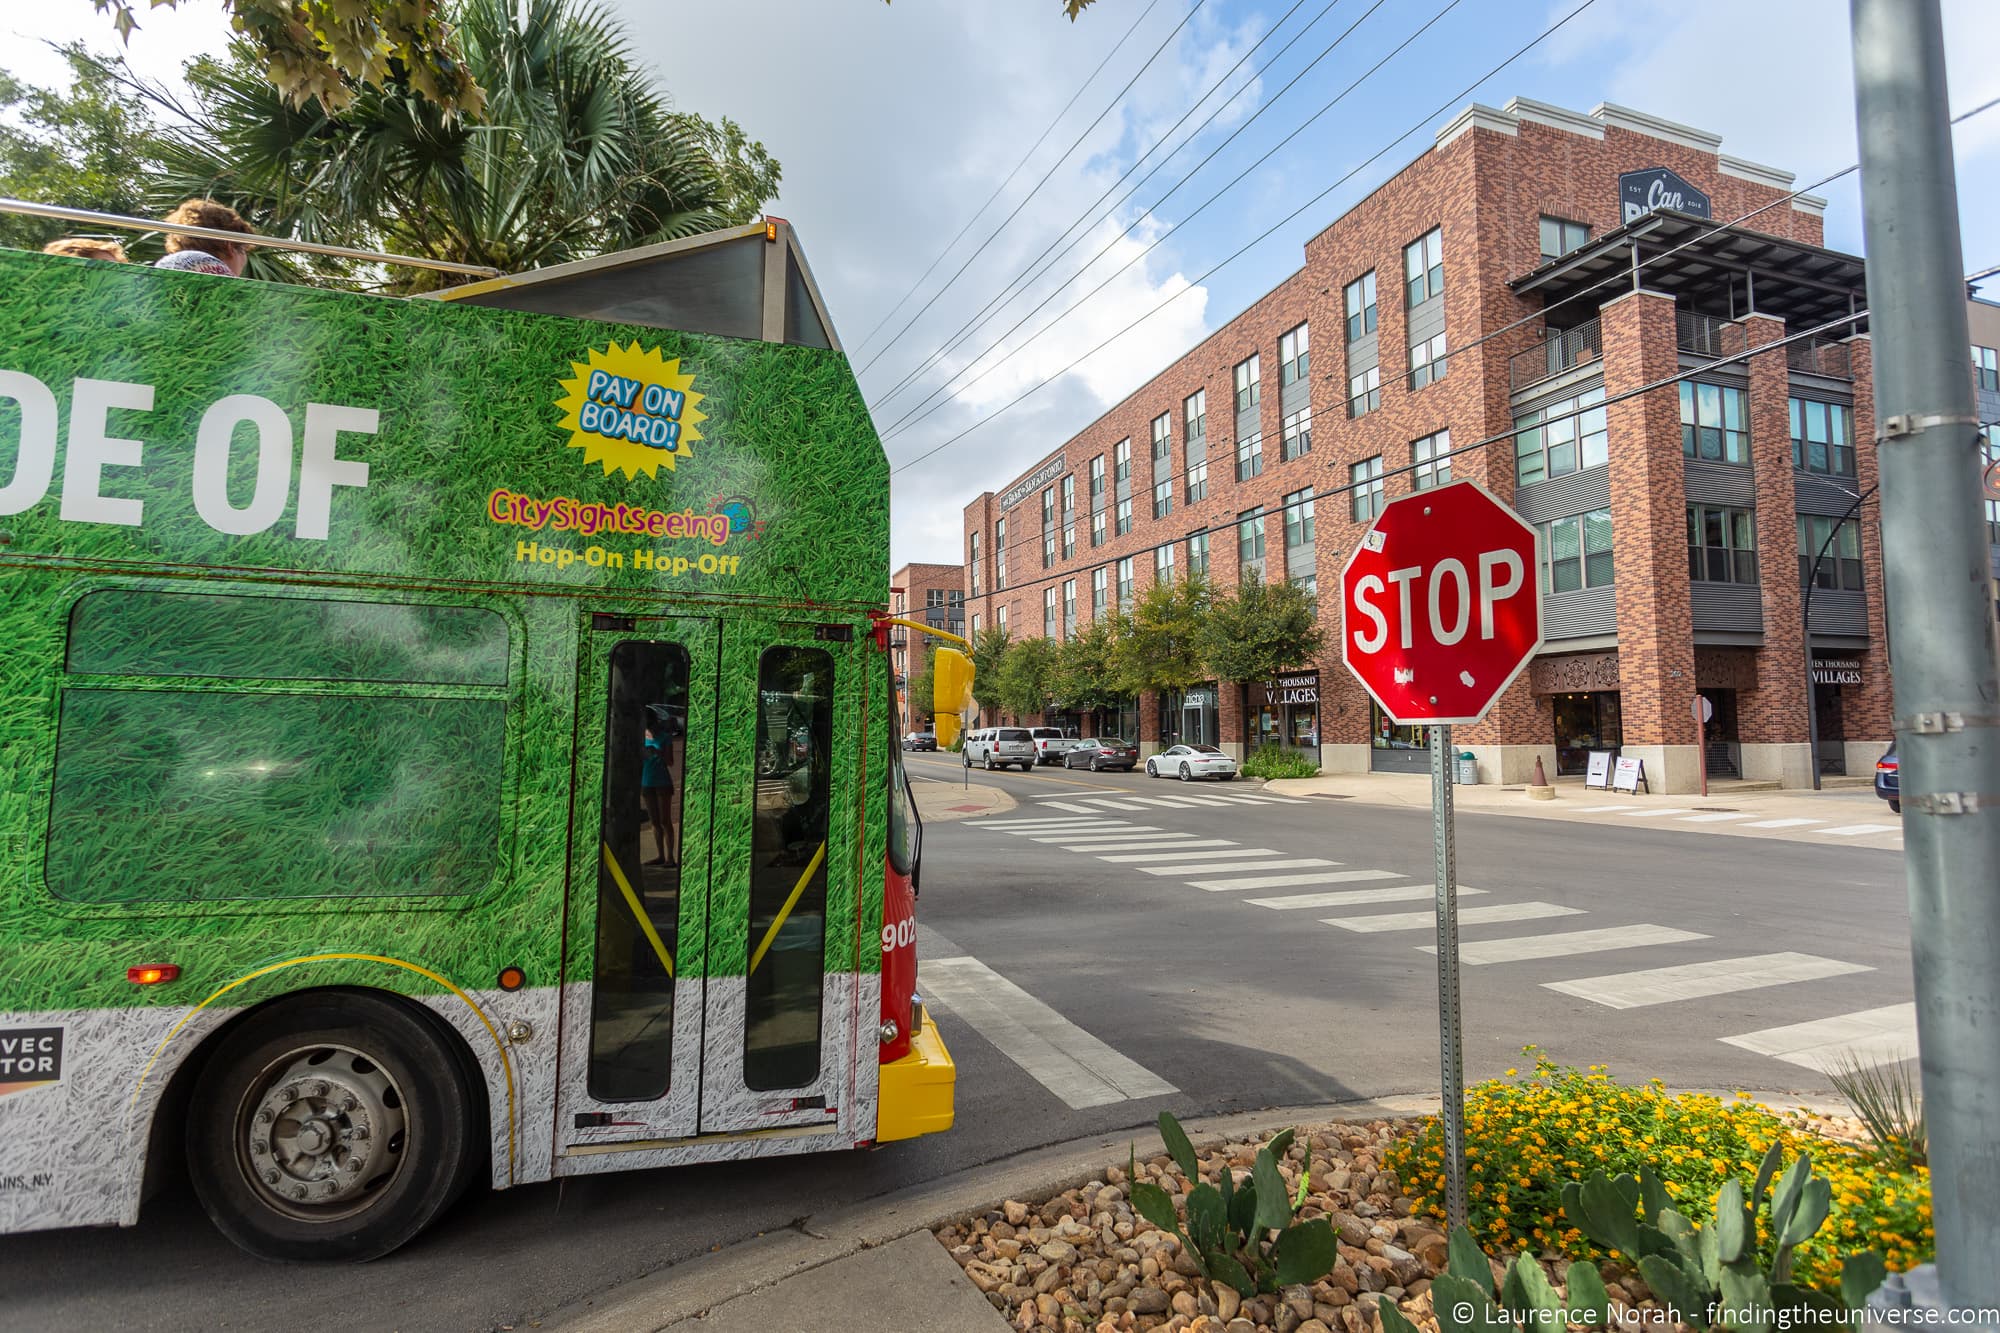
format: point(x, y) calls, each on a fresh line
point(579, 151)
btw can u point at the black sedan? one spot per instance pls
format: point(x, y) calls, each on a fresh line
point(920, 740)
point(1888, 780)
point(1098, 754)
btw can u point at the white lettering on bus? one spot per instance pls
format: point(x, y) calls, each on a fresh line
point(320, 471)
point(35, 459)
point(91, 450)
point(212, 448)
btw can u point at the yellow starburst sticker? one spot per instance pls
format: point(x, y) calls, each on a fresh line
point(631, 409)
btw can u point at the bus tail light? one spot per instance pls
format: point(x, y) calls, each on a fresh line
point(152, 974)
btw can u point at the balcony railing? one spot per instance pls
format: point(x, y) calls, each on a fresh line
point(1814, 356)
point(1708, 335)
point(1562, 351)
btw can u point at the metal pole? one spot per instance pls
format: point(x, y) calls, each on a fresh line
point(1947, 669)
point(1451, 1048)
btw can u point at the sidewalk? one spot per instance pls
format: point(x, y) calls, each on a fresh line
point(1829, 816)
point(942, 800)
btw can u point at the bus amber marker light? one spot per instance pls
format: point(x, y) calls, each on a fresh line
point(512, 978)
point(152, 974)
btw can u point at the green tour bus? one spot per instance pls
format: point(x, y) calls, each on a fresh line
point(445, 739)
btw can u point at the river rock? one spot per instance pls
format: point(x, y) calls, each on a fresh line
point(1014, 1211)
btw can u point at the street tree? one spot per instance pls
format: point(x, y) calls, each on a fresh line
point(921, 691)
point(1259, 630)
point(1086, 675)
point(1025, 676)
point(87, 147)
point(1161, 647)
point(989, 647)
point(582, 153)
point(329, 50)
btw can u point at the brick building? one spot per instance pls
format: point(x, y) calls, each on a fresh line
point(1490, 288)
point(934, 594)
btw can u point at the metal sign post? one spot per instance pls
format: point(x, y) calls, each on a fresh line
point(1451, 1054)
point(1703, 710)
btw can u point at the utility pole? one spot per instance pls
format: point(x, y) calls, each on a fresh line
point(1947, 667)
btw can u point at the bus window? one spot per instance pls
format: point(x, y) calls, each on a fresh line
point(781, 1036)
point(639, 873)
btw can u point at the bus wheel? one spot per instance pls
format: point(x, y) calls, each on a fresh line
point(329, 1127)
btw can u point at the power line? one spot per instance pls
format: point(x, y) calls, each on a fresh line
point(1030, 272)
point(1047, 176)
point(978, 212)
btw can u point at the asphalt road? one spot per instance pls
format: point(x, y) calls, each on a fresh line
point(1109, 969)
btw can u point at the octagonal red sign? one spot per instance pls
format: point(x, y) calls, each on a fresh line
point(1441, 604)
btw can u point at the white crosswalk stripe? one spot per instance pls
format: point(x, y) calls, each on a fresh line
point(1471, 916)
point(1660, 813)
point(1784, 823)
point(1044, 834)
point(1109, 804)
point(1853, 830)
point(1067, 805)
point(1152, 840)
point(1526, 947)
point(1177, 802)
point(1401, 893)
point(1134, 857)
point(1058, 1054)
point(1304, 863)
point(1086, 835)
point(1287, 881)
point(1713, 817)
point(1693, 981)
point(1060, 821)
point(1867, 1037)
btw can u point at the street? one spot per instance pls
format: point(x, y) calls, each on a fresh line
point(1092, 966)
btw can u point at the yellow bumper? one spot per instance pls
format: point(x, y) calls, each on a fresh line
point(916, 1090)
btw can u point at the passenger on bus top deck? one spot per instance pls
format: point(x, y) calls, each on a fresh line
point(202, 254)
point(87, 247)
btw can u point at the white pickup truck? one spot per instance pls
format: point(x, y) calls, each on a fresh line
point(1052, 743)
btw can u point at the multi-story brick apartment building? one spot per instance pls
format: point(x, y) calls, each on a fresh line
point(1511, 285)
point(934, 594)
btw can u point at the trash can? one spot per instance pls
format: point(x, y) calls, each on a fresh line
point(1468, 769)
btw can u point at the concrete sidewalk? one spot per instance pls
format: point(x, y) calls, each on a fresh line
point(1803, 816)
point(943, 800)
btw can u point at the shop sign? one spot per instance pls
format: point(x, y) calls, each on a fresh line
point(1299, 688)
point(1836, 671)
point(1200, 697)
point(1599, 776)
point(1641, 192)
point(1031, 483)
point(1630, 775)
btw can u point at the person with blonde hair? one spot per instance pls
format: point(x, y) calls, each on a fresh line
point(203, 254)
point(86, 247)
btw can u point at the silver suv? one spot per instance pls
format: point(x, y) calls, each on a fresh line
point(997, 747)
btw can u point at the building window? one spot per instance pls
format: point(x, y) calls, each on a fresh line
point(1198, 555)
point(1000, 618)
point(1049, 507)
point(1097, 528)
point(1559, 237)
point(1125, 584)
point(1364, 392)
point(1298, 437)
point(1069, 541)
point(1986, 367)
point(1561, 438)
point(975, 624)
point(1124, 517)
point(1361, 306)
point(1121, 454)
point(1722, 545)
point(1096, 479)
point(1822, 438)
point(1069, 499)
point(1000, 555)
point(1293, 356)
point(972, 559)
point(1163, 466)
point(1432, 455)
point(1163, 563)
point(1248, 392)
point(1714, 423)
point(1579, 551)
point(1427, 363)
point(1250, 538)
point(1100, 600)
point(1069, 606)
point(1250, 456)
point(933, 597)
point(1364, 496)
point(1298, 522)
point(1195, 441)
point(1163, 497)
point(1049, 549)
point(1423, 268)
point(1048, 613)
point(1842, 567)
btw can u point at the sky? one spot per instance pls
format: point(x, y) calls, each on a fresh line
point(987, 134)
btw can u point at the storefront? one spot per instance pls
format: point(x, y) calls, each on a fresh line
point(1284, 711)
point(1833, 675)
point(1396, 749)
point(1190, 718)
point(1585, 720)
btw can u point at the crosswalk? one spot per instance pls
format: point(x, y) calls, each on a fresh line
point(1687, 814)
point(1221, 865)
point(1085, 805)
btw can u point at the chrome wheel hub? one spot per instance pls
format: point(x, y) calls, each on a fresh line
point(322, 1130)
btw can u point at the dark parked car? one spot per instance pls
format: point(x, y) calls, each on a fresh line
point(1100, 753)
point(1888, 784)
point(920, 740)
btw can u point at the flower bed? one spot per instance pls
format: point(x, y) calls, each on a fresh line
point(1529, 1134)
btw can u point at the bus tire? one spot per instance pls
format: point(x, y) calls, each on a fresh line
point(330, 1126)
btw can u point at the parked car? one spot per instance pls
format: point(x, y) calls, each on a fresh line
point(920, 740)
point(1102, 752)
point(1188, 762)
point(1888, 780)
point(1051, 744)
point(1000, 747)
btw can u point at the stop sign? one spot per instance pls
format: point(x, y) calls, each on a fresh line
point(1441, 604)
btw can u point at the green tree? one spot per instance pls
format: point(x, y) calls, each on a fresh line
point(989, 649)
point(327, 50)
point(89, 147)
point(921, 691)
point(1162, 645)
point(1024, 678)
point(1085, 679)
point(582, 153)
point(1259, 630)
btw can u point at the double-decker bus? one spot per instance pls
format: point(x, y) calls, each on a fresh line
point(444, 740)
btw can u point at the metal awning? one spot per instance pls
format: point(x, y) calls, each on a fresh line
point(1715, 270)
